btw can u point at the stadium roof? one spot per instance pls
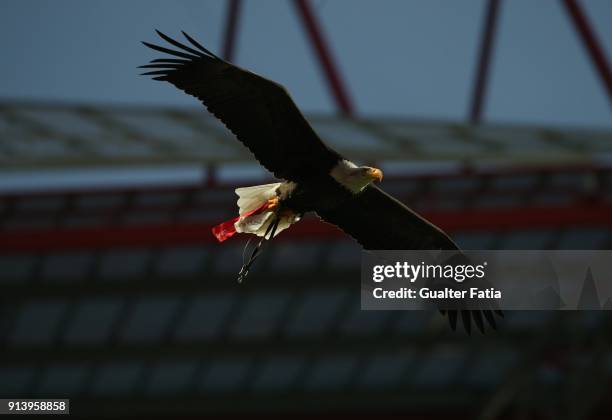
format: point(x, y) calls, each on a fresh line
point(38, 135)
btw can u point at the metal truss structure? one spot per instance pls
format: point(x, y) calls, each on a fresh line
point(585, 31)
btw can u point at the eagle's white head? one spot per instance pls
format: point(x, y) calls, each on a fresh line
point(355, 178)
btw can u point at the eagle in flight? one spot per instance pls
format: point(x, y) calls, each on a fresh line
point(315, 178)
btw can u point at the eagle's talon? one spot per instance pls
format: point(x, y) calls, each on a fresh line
point(242, 274)
point(273, 202)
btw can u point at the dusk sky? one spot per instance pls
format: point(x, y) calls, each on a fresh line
point(413, 59)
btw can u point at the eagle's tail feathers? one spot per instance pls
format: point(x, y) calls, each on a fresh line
point(250, 198)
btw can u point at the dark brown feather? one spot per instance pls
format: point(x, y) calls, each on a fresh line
point(258, 111)
point(380, 222)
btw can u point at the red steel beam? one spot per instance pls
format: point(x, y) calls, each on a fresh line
point(487, 43)
point(53, 240)
point(231, 28)
point(598, 56)
point(330, 69)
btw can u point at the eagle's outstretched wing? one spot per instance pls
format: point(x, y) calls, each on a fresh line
point(265, 119)
point(378, 221)
point(258, 111)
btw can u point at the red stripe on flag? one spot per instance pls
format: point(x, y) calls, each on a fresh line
point(227, 229)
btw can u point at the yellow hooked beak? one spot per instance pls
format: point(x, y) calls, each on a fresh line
point(376, 174)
